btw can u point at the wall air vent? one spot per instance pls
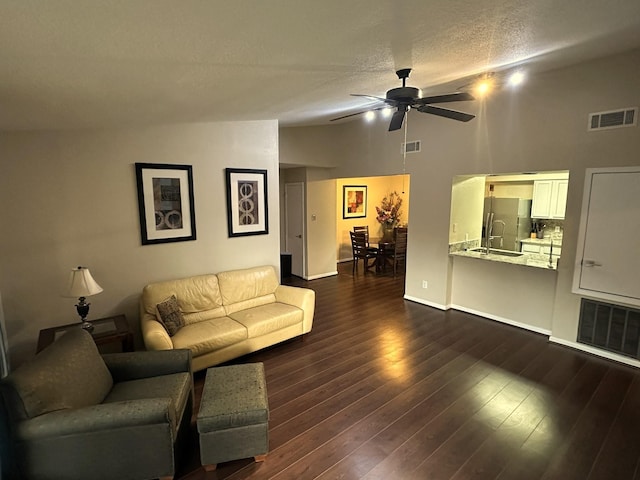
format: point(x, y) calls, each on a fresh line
point(627, 117)
point(410, 147)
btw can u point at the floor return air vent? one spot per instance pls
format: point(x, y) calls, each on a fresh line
point(614, 328)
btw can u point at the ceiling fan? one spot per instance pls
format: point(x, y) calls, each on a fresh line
point(404, 98)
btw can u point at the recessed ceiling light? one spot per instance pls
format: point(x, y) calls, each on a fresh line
point(516, 78)
point(386, 112)
point(370, 115)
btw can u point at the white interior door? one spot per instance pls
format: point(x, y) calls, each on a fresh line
point(294, 226)
point(610, 262)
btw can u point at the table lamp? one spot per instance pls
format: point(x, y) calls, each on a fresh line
point(82, 285)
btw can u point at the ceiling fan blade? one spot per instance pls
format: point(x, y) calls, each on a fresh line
point(445, 112)
point(347, 116)
point(359, 113)
point(388, 101)
point(397, 119)
point(448, 97)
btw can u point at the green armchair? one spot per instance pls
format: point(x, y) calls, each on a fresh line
point(72, 413)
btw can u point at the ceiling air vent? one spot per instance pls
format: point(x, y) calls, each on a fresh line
point(627, 117)
point(410, 147)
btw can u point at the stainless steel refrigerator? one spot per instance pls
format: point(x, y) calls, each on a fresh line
point(511, 222)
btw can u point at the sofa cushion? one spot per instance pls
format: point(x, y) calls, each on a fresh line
point(241, 285)
point(268, 318)
point(205, 337)
point(70, 373)
point(175, 386)
point(250, 303)
point(194, 294)
point(170, 315)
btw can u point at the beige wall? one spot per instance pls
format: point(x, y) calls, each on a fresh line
point(309, 146)
point(69, 199)
point(498, 289)
point(543, 127)
point(321, 228)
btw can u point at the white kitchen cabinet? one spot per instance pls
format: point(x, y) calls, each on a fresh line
point(526, 248)
point(607, 259)
point(541, 205)
point(549, 199)
point(559, 198)
point(541, 249)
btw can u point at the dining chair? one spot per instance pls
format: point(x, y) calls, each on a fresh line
point(399, 253)
point(362, 250)
point(362, 228)
point(398, 230)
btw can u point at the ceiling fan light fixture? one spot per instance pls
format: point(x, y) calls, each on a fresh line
point(484, 85)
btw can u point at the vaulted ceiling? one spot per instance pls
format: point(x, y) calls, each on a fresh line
point(88, 64)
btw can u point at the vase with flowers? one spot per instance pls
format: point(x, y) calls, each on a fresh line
point(389, 215)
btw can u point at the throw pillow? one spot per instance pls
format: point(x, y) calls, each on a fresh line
point(170, 315)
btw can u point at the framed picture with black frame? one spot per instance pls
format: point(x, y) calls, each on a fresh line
point(247, 205)
point(354, 201)
point(165, 203)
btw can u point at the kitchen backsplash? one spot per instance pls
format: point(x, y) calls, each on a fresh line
point(551, 229)
point(548, 229)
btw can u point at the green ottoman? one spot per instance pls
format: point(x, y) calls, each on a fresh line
point(233, 421)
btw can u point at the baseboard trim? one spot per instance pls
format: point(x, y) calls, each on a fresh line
point(543, 331)
point(596, 351)
point(508, 321)
point(422, 301)
point(321, 275)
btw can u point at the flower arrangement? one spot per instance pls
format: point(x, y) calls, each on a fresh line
point(389, 210)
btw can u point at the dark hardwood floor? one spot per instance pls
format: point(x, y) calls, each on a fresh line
point(383, 388)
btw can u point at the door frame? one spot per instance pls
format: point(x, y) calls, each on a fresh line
point(579, 264)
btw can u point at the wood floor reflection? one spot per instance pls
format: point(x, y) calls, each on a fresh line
point(383, 388)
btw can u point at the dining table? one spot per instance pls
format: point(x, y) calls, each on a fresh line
point(385, 250)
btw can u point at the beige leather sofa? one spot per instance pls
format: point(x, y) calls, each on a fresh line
point(227, 315)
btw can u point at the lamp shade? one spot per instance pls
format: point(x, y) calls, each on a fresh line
point(82, 284)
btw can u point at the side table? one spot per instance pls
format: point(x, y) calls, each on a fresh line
point(105, 330)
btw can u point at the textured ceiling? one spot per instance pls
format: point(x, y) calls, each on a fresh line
point(86, 64)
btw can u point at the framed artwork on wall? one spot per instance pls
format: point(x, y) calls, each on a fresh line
point(165, 203)
point(247, 207)
point(354, 201)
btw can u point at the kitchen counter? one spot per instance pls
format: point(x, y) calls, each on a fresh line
point(535, 260)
